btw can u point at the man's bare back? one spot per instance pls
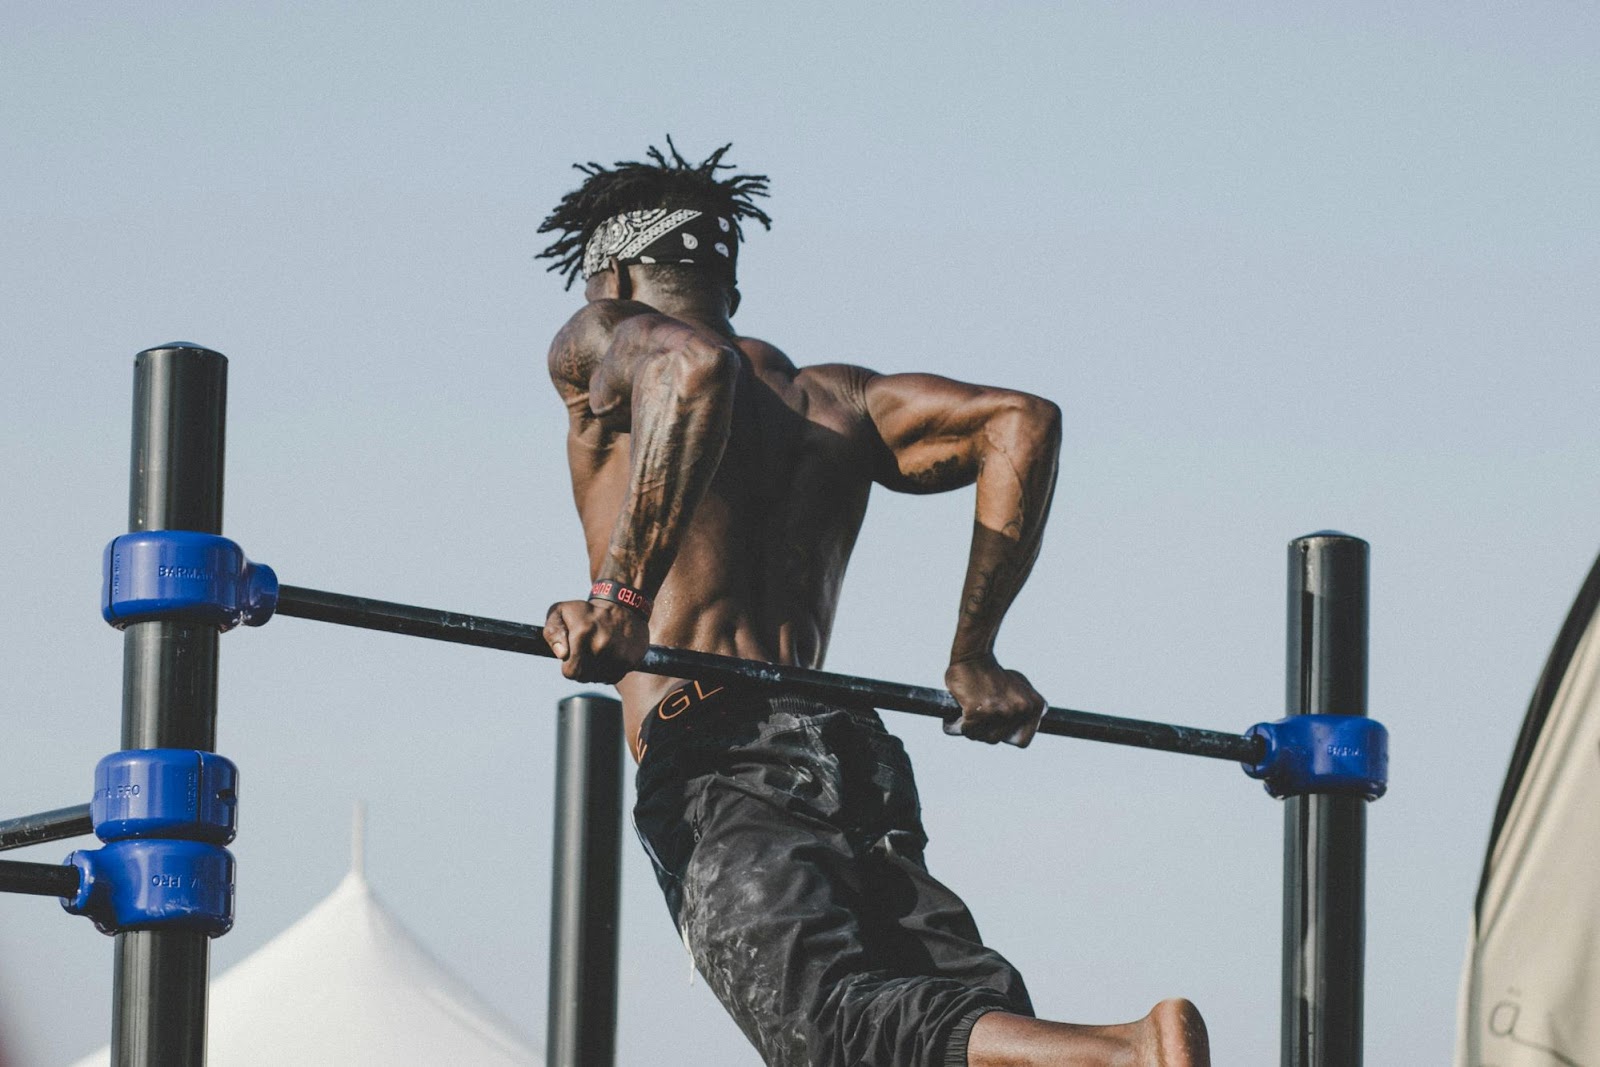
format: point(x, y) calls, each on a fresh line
point(759, 564)
point(758, 573)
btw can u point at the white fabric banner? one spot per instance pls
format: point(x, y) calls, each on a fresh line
point(1530, 992)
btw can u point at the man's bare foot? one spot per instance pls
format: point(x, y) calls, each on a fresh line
point(1172, 1035)
point(1178, 1036)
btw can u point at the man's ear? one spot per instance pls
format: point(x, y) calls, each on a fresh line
point(602, 285)
point(733, 300)
point(611, 282)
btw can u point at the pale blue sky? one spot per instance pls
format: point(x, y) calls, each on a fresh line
point(1284, 271)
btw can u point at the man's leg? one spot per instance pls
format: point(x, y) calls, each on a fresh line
point(826, 956)
point(932, 923)
point(1172, 1035)
point(790, 932)
point(780, 923)
point(932, 932)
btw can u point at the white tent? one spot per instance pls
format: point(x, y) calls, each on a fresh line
point(1530, 993)
point(348, 985)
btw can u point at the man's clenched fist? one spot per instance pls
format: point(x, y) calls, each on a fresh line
point(595, 640)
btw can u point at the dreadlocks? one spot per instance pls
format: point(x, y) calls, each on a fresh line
point(632, 186)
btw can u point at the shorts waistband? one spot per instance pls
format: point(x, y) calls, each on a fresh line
point(702, 707)
point(685, 708)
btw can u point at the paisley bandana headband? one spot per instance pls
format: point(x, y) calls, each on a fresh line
point(662, 235)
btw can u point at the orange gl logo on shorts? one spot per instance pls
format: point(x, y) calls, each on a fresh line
point(681, 700)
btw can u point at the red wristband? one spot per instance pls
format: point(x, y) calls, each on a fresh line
point(617, 593)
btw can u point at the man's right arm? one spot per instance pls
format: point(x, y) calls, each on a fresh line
point(624, 367)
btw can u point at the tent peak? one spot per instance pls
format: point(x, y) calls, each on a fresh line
point(358, 840)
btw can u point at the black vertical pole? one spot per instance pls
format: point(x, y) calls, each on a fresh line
point(583, 908)
point(1325, 837)
point(169, 681)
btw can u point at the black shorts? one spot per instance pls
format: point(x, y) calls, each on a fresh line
point(787, 837)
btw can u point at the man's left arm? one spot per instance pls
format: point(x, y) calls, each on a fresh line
point(941, 435)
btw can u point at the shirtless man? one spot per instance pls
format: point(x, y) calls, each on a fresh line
point(720, 490)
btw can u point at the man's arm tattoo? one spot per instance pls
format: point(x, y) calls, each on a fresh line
point(678, 437)
point(951, 472)
point(570, 367)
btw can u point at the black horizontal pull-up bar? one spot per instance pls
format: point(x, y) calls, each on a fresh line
point(702, 666)
point(46, 826)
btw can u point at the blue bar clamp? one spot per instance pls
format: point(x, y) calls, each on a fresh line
point(165, 814)
point(185, 576)
point(1345, 755)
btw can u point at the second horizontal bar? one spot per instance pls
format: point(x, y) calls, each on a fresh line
point(46, 826)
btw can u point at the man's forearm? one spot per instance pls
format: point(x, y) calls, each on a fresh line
point(682, 405)
point(1015, 484)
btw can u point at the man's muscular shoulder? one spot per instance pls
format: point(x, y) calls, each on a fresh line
point(581, 343)
point(838, 387)
point(843, 384)
point(764, 355)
